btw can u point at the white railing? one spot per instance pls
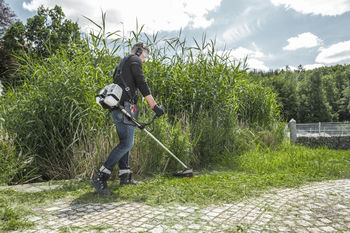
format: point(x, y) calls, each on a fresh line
point(320, 129)
point(327, 129)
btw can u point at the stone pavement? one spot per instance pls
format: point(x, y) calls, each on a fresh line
point(316, 207)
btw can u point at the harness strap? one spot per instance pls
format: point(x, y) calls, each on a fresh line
point(118, 73)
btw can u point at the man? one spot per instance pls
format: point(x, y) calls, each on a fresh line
point(129, 75)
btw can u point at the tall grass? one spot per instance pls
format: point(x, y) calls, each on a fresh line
point(298, 160)
point(15, 165)
point(205, 95)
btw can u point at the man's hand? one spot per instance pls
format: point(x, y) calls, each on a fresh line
point(158, 110)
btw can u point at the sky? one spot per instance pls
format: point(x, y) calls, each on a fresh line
point(271, 33)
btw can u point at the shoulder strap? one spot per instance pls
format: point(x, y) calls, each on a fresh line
point(118, 73)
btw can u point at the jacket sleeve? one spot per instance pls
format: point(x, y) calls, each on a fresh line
point(137, 72)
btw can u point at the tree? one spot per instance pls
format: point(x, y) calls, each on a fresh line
point(14, 38)
point(6, 17)
point(343, 83)
point(300, 68)
point(7, 62)
point(332, 94)
point(345, 104)
point(44, 34)
point(288, 96)
point(316, 107)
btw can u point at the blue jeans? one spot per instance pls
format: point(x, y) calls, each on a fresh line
point(121, 153)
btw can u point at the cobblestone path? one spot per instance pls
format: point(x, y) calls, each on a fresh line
point(316, 207)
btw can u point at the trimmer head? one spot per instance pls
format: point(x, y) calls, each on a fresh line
point(185, 173)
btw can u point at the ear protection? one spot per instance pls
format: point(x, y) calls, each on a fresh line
point(139, 50)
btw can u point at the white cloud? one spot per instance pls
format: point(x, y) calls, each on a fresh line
point(240, 53)
point(156, 15)
point(313, 66)
point(335, 53)
point(290, 68)
point(236, 33)
point(257, 64)
point(253, 57)
point(316, 7)
point(304, 40)
point(243, 24)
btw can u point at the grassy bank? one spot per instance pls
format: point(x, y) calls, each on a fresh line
point(258, 171)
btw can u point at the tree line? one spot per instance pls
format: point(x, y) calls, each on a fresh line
point(318, 95)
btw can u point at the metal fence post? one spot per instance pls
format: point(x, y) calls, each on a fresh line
point(293, 130)
point(319, 128)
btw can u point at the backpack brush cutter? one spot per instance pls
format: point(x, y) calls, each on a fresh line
point(187, 172)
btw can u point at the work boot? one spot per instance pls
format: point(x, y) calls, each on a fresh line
point(99, 182)
point(126, 179)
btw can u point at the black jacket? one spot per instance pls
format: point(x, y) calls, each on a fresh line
point(130, 69)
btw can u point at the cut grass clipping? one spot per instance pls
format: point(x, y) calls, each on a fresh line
point(258, 171)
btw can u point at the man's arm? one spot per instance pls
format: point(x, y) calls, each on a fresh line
point(139, 78)
point(150, 100)
point(152, 103)
point(136, 69)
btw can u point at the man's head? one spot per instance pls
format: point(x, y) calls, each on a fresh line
point(140, 50)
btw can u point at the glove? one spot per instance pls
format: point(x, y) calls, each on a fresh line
point(158, 110)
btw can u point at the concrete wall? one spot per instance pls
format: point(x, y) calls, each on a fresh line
point(340, 142)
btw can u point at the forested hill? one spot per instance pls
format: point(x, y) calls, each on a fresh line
point(319, 95)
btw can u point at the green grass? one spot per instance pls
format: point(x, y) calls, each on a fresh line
point(298, 160)
point(12, 218)
point(289, 166)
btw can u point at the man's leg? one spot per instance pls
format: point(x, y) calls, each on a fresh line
point(99, 181)
point(124, 162)
point(126, 142)
point(121, 151)
point(125, 174)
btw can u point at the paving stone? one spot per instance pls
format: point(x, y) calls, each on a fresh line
point(315, 230)
point(328, 229)
point(303, 223)
point(325, 220)
point(34, 219)
point(194, 226)
point(316, 207)
point(157, 229)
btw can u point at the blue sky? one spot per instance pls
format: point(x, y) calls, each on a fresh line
point(272, 33)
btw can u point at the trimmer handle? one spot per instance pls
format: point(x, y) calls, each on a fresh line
point(138, 124)
point(143, 125)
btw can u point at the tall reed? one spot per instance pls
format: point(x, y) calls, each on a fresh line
point(204, 92)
